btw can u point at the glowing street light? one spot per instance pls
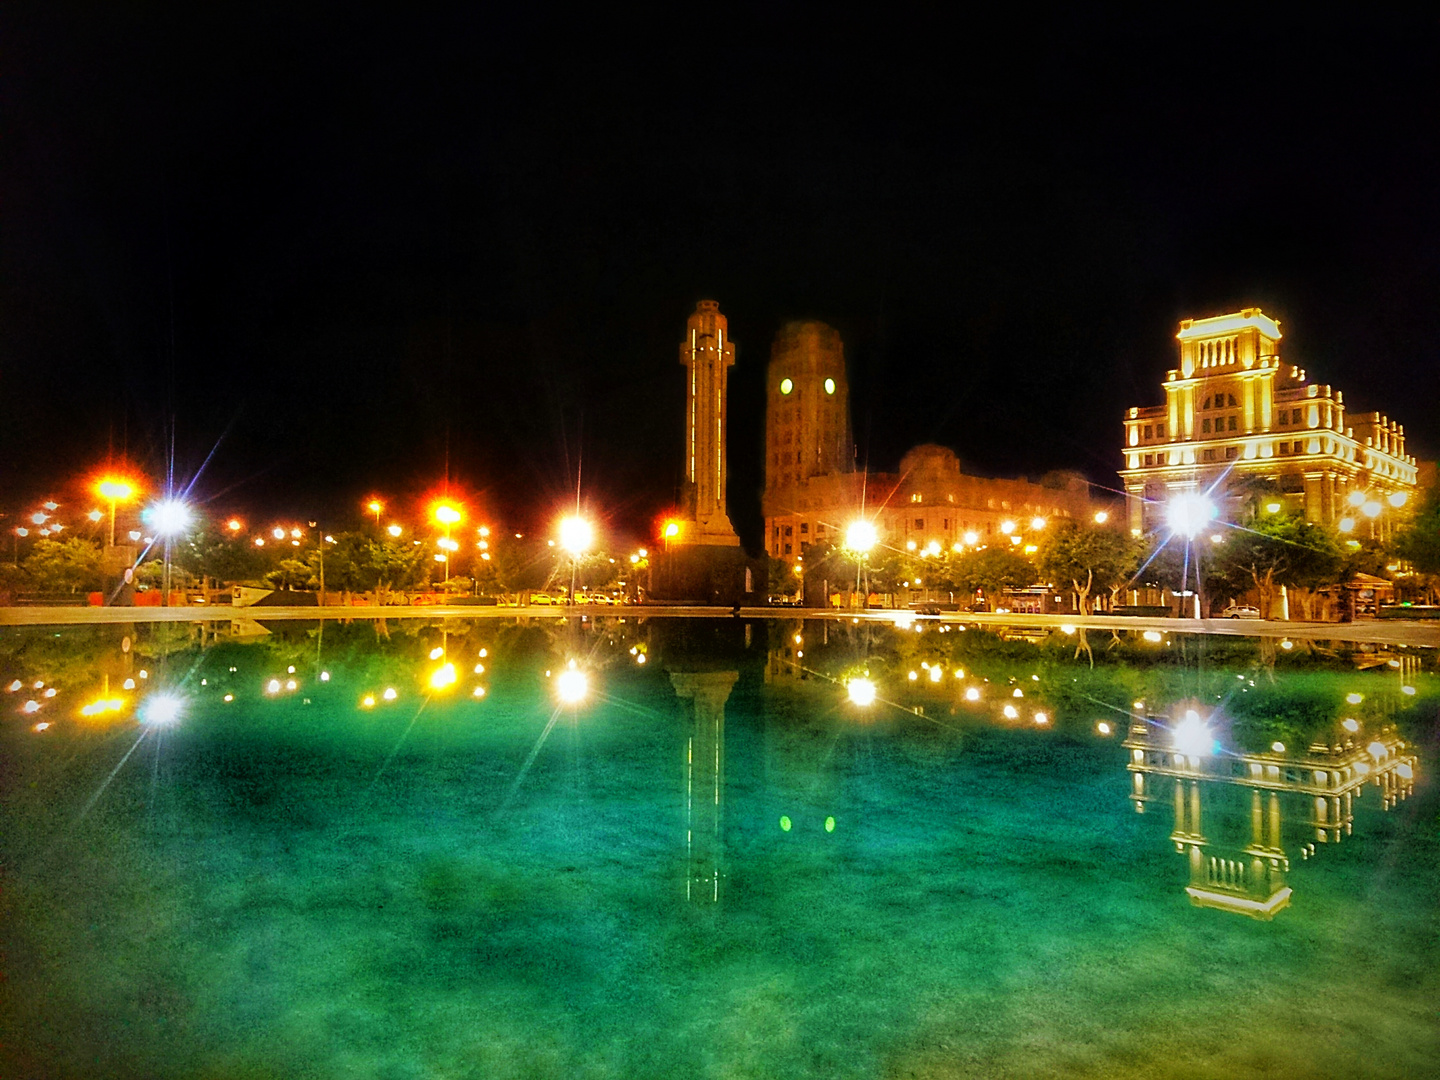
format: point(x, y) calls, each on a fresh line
point(1101, 517)
point(447, 514)
point(1188, 514)
point(114, 490)
point(394, 530)
point(375, 506)
point(860, 537)
point(576, 535)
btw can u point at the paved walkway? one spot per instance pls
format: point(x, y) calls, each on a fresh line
point(1425, 634)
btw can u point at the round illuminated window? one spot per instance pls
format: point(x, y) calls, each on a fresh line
point(786, 386)
point(829, 386)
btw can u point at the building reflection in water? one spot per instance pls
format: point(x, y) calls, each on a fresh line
point(1231, 808)
point(705, 693)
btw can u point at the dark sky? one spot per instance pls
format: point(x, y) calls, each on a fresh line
point(335, 248)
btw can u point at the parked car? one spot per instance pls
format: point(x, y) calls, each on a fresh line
point(1240, 611)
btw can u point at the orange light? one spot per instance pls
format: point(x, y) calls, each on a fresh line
point(235, 525)
point(375, 506)
point(672, 529)
point(446, 513)
point(115, 489)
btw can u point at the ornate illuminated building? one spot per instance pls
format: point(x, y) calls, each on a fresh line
point(813, 490)
point(1234, 410)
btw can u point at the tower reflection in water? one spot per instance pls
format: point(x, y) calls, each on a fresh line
point(1230, 808)
point(706, 693)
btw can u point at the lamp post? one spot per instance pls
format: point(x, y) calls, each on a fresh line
point(169, 518)
point(114, 491)
point(860, 537)
point(375, 506)
point(576, 536)
point(447, 515)
point(1188, 514)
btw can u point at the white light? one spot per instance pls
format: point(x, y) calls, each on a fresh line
point(436, 653)
point(1397, 499)
point(1103, 728)
point(1151, 635)
point(1066, 628)
point(273, 686)
point(389, 694)
point(1101, 517)
point(170, 517)
point(936, 673)
point(972, 538)
point(860, 537)
point(1041, 718)
point(1188, 514)
point(1409, 691)
point(861, 691)
point(161, 709)
point(572, 686)
point(1011, 712)
point(1192, 736)
point(576, 535)
point(1278, 747)
point(1007, 527)
point(1371, 509)
point(1037, 523)
point(324, 676)
point(972, 694)
point(1350, 724)
point(1377, 750)
point(1355, 498)
point(31, 706)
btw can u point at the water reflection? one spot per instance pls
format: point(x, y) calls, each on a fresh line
point(1230, 809)
point(704, 694)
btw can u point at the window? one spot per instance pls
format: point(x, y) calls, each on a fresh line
point(787, 549)
point(804, 528)
point(1231, 452)
point(1209, 455)
point(1206, 406)
point(1231, 425)
point(1159, 431)
point(947, 524)
point(788, 532)
point(1149, 459)
point(919, 523)
point(1285, 416)
point(1205, 426)
point(1147, 431)
point(915, 498)
point(1231, 399)
point(1294, 416)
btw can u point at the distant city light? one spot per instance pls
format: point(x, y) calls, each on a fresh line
point(394, 530)
point(1101, 517)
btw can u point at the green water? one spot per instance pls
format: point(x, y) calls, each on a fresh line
point(773, 882)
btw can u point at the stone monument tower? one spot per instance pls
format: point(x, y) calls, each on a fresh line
point(707, 355)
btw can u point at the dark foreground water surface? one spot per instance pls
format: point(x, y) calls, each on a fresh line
point(248, 861)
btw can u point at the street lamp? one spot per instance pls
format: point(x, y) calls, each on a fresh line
point(860, 539)
point(447, 515)
point(375, 506)
point(169, 518)
point(114, 490)
point(1188, 514)
point(576, 535)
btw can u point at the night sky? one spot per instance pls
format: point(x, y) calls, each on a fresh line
point(343, 253)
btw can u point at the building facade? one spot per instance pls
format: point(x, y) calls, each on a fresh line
point(1235, 412)
point(813, 491)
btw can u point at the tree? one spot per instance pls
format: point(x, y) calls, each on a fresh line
point(214, 552)
point(393, 563)
point(1419, 543)
point(991, 570)
point(1277, 551)
point(65, 566)
point(1086, 558)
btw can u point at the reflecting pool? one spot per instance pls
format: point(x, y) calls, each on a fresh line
point(636, 847)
